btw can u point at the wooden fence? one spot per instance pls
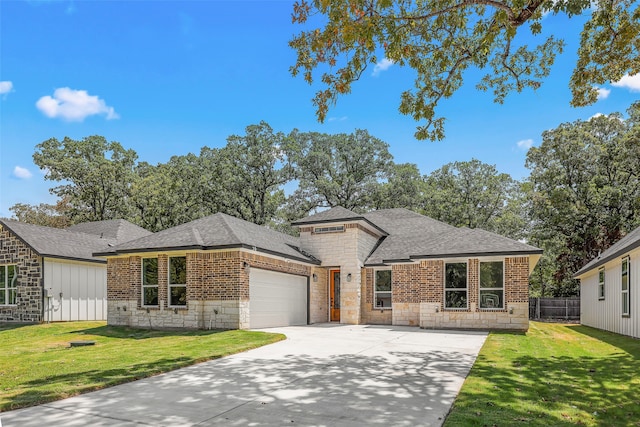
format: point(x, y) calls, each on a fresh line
point(554, 308)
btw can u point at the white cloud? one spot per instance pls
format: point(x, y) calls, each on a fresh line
point(6, 87)
point(603, 93)
point(382, 66)
point(525, 144)
point(21, 173)
point(337, 119)
point(74, 105)
point(629, 82)
point(596, 115)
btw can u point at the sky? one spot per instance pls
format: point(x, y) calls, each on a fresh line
point(167, 77)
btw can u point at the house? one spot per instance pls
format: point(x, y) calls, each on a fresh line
point(390, 266)
point(610, 288)
point(50, 274)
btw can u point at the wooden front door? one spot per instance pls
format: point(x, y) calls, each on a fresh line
point(334, 295)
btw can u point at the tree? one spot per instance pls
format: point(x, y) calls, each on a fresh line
point(97, 175)
point(247, 175)
point(169, 194)
point(440, 40)
point(586, 190)
point(403, 188)
point(475, 195)
point(43, 214)
point(336, 170)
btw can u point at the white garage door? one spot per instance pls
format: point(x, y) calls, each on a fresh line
point(276, 299)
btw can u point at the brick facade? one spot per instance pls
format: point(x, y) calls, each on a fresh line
point(418, 297)
point(29, 298)
point(217, 290)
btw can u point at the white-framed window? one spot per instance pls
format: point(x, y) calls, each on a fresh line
point(150, 282)
point(455, 285)
point(177, 281)
point(382, 289)
point(332, 229)
point(491, 284)
point(8, 284)
point(601, 284)
point(625, 286)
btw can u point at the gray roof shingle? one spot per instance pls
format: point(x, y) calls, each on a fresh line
point(67, 243)
point(216, 232)
point(622, 246)
point(337, 213)
point(119, 230)
point(414, 236)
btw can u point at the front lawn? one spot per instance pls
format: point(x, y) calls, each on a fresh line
point(37, 365)
point(554, 375)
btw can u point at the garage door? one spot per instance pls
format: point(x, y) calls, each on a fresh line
point(276, 299)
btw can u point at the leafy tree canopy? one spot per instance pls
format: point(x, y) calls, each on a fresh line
point(475, 195)
point(586, 190)
point(43, 214)
point(96, 175)
point(442, 39)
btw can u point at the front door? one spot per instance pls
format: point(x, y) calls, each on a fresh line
point(334, 295)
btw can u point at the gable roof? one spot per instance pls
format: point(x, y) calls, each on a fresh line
point(626, 244)
point(413, 236)
point(218, 231)
point(336, 214)
point(67, 243)
point(119, 230)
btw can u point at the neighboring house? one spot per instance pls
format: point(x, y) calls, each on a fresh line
point(610, 288)
point(50, 274)
point(390, 266)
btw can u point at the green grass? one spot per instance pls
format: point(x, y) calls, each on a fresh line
point(554, 375)
point(37, 365)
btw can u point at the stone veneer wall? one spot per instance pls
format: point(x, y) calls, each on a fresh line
point(319, 296)
point(515, 315)
point(346, 250)
point(29, 296)
point(217, 291)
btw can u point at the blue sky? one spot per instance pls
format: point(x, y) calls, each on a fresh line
point(166, 78)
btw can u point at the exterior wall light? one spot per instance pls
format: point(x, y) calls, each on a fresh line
point(315, 277)
point(349, 277)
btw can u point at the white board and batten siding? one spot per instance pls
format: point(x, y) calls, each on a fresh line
point(607, 313)
point(276, 299)
point(77, 290)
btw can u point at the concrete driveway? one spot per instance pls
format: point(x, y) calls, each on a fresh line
point(322, 375)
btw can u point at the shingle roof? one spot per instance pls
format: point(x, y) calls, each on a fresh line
point(414, 236)
point(626, 244)
point(65, 243)
point(119, 230)
point(337, 214)
point(217, 231)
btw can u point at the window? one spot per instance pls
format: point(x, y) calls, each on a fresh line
point(455, 285)
point(150, 281)
point(178, 281)
point(492, 284)
point(625, 286)
point(8, 284)
point(601, 283)
point(382, 289)
point(334, 229)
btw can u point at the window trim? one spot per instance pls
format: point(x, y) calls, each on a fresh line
point(7, 289)
point(390, 292)
point(626, 292)
point(176, 285)
point(444, 286)
point(143, 286)
point(502, 289)
point(601, 284)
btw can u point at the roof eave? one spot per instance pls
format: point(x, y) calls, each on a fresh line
point(206, 248)
point(70, 258)
point(476, 254)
